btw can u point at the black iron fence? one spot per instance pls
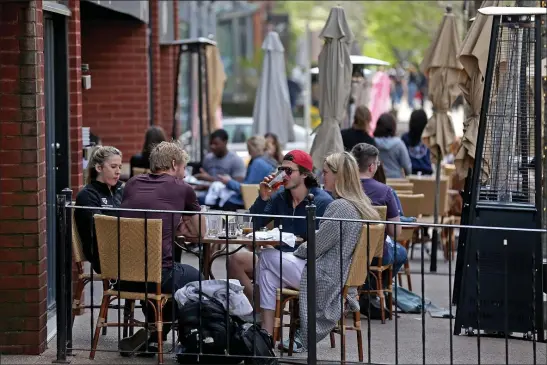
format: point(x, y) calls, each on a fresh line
point(497, 310)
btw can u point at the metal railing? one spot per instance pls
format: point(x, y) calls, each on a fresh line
point(66, 345)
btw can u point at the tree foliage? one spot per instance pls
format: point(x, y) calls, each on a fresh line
point(401, 30)
point(395, 31)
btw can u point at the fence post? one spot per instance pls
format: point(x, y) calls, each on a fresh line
point(68, 267)
point(61, 280)
point(312, 310)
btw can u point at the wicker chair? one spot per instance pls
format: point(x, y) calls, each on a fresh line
point(83, 278)
point(134, 251)
point(356, 277)
point(249, 192)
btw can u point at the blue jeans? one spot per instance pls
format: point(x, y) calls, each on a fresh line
point(394, 254)
point(412, 90)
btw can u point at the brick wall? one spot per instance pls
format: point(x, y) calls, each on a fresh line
point(22, 179)
point(116, 106)
point(156, 63)
point(75, 75)
point(168, 56)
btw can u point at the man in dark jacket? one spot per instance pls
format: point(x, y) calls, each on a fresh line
point(290, 200)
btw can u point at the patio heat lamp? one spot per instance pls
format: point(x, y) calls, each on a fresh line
point(501, 277)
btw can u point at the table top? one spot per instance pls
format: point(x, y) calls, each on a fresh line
point(240, 240)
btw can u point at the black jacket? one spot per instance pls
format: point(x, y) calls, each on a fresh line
point(95, 194)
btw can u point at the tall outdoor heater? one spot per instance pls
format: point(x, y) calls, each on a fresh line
point(501, 281)
point(195, 46)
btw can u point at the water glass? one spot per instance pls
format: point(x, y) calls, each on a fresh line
point(214, 225)
point(232, 229)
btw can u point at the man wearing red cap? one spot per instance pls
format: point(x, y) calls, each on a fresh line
point(289, 200)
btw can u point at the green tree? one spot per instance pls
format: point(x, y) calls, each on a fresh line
point(401, 30)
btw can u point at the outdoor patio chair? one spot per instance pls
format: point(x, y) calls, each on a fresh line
point(426, 185)
point(249, 192)
point(83, 278)
point(401, 186)
point(356, 277)
point(139, 261)
point(396, 180)
point(411, 205)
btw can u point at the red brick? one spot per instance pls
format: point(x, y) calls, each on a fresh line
point(10, 268)
point(23, 282)
point(23, 324)
point(18, 199)
point(11, 213)
point(10, 185)
point(35, 268)
point(11, 241)
point(20, 226)
point(21, 254)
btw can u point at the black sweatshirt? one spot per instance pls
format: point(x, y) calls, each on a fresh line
point(99, 195)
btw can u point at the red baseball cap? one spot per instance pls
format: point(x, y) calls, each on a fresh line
point(301, 158)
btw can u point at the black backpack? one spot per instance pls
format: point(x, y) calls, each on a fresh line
point(213, 333)
point(253, 342)
point(246, 340)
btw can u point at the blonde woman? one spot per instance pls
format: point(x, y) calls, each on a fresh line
point(103, 190)
point(341, 177)
point(259, 167)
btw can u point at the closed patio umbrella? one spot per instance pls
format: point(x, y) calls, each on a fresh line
point(443, 70)
point(272, 109)
point(334, 85)
point(474, 56)
point(216, 77)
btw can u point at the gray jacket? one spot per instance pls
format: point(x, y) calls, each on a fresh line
point(394, 156)
point(332, 246)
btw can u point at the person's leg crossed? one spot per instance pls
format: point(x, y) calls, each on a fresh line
point(240, 267)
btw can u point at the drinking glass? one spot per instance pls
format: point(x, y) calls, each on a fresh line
point(214, 225)
point(232, 229)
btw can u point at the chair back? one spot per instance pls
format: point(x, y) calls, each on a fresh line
point(411, 204)
point(382, 211)
point(403, 192)
point(401, 186)
point(134, 250)
point(369, 241)
point(77, 250)
point(140, 171)
point(249, 192)
point(426, 185)
point(396, 180)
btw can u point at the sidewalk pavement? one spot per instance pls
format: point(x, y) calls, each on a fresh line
point(407, 327)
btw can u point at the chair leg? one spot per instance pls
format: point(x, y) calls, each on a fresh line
point(400, 279)
point(357, 325)
point(132, 318)
point(343, 340)
point(294, 313)
point(382, 297)
point(159, 329)
point(100, 320)
point(127, 311)
point(105, 288)
point(407, 273)
point(390, 295)
point(77, 298)
point(332, 341)
point(277, 320)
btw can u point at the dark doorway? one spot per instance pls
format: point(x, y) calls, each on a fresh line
point(57, 131)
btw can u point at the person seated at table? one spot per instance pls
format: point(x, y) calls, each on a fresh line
point(218, 162)
point(393, 152)
point(419, 153)
point(103, 189)
point(164, 189)
point(290, 200)
point(359, 131)
point(334, 245)
point(380, 194)
point(273, 147)
point(154, 135)
point(260, 166)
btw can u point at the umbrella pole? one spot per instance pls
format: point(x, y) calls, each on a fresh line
point(435, 237)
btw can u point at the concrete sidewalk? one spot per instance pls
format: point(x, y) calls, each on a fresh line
point(381, 349)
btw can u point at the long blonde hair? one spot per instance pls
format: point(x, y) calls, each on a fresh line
point(347, 184)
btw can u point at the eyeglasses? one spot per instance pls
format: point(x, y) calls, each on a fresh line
point(287, 170)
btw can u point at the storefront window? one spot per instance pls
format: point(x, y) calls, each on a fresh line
point(225, 42)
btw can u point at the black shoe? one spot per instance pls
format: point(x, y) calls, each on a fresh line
point(129, 345)
point(375, 312)
point(151, 352)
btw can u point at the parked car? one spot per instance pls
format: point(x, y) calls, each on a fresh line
point(240, 129)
